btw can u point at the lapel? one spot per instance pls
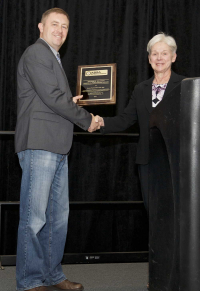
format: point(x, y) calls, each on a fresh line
point(147, 93)
point(173, 82)
point(47, 46)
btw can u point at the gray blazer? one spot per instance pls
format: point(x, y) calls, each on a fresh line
point(45, 109)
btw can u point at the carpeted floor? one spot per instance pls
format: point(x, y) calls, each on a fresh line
point(94, 277)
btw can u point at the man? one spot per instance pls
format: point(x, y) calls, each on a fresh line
point(44, 132)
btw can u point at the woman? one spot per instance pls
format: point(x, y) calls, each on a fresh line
point(146, 96)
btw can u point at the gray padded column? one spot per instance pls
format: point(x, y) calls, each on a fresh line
point(190, 186)
point(174, 190)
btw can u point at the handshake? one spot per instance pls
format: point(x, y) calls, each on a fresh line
point(96, 123)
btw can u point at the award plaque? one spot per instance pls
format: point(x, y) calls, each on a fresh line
point(97, 84)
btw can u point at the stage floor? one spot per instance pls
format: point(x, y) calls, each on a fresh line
point(94, 277)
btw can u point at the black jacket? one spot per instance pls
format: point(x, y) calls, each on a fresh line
point(139, 109)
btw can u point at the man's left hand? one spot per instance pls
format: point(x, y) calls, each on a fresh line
point(76, 98)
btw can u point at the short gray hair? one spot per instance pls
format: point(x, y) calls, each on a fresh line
point(161, 36)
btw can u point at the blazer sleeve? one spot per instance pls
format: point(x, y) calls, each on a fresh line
point(123, 121)
point(40, 73)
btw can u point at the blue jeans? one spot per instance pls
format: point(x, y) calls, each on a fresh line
point(44, 210)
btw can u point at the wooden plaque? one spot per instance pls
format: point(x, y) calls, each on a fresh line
point(97, 84)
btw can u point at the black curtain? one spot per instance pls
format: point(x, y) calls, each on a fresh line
point(100, 168)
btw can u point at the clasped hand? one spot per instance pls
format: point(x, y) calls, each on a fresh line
point(96, 123)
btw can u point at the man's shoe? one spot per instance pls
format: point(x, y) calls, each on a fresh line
point(67, 285)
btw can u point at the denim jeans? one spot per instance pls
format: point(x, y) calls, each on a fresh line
point(44, 210)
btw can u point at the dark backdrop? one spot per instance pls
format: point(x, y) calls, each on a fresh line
point(100, 168)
